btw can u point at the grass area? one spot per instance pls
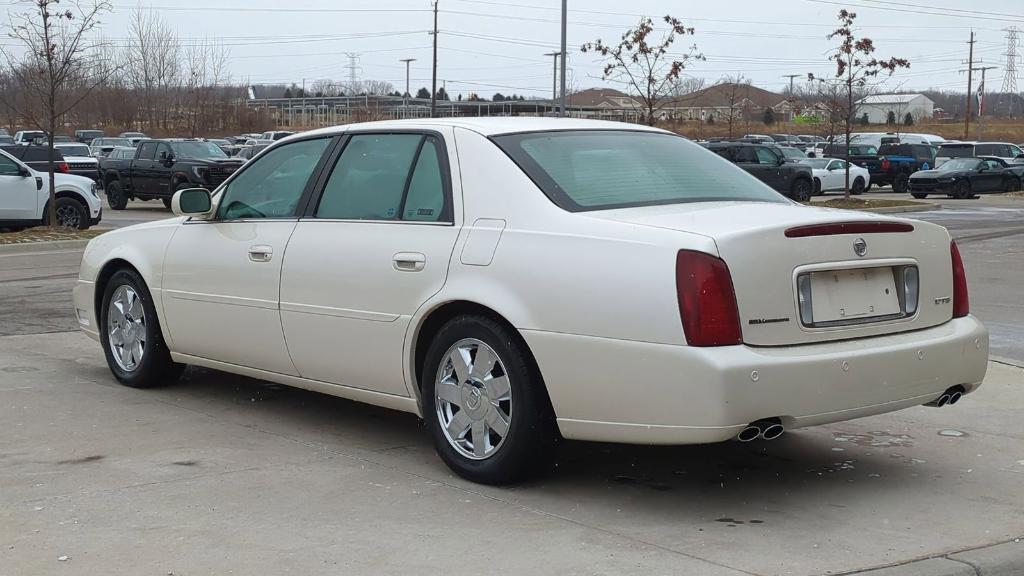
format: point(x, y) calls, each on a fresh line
point(864, 204)
point(47, 234)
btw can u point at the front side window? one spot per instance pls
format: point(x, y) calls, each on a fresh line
point(1015, 151)
point(271, 186)
point(766, 156)
point(386, 177)
point(147, 151)
point(8, 167)
point(583, 170)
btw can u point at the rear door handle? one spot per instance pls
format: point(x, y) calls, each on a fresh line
point(261, 253)
point(409, 261)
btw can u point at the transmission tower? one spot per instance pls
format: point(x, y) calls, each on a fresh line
point(1010, 78)
point(353, 71)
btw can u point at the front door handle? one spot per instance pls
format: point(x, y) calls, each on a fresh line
point(409, 261)
point(261, 253)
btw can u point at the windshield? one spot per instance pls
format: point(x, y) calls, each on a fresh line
point(133, 135)
point(817, 163)
point(792, 153)
point(77, 150)
point(596, 170)
point(959, 164)
point(197, 150)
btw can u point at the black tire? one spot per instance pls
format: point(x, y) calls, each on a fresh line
point(919, 195)
point(857, 188)
point(817, 187)
point(962, 190)
point(801, 189)
point(528, 445)
point(156, 367)
point(167, 203)
point(1013, 184)
point(116, 197)
point(868, 187)
point(901, 185)
point(70, 214)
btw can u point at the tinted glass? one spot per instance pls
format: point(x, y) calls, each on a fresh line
point(594, 170)
point(368, 182)
point(424, 202)
point(82, 150)
point(163, 151)
point(960, 164)
point(986, 150)
point(147, 151)
point(744, 155)
point(197, 150)
point(766, 156)
point(956, 150)
point(8, 167)
point(271, 186)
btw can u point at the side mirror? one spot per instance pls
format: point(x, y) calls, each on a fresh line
point(23, 172)
point(193, 202)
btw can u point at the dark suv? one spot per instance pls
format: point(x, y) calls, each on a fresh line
point(38, 158)
point(769, 165)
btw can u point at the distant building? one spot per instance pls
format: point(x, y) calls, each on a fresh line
point(879, 106)
point(747, 101)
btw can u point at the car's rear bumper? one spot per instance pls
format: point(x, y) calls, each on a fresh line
point(636, 392)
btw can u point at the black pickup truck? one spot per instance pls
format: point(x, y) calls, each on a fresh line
point(162, 167)
point(768, 164)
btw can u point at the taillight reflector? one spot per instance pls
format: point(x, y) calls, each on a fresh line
point(961, 303)
point(707, 300)
point(857, 227)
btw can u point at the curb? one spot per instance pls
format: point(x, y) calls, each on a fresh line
point(29, 247)
point(902, 209)
point(1006, 559)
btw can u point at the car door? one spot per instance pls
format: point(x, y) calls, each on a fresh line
point(991, 177)
point(833, 180)
point(746, 158)
point(372, 250)
point(771, 163)
point(143, 168)
point(19, 194)
point(222, 277)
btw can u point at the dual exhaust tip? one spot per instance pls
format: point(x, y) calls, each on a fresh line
point(948, 398)
point(767, 429)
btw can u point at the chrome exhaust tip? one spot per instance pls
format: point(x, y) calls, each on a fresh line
point(942, 401)
point(772, 432)
point(955, 397)
point(749, 434)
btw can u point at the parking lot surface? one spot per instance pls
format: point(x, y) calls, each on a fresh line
point(223, 474)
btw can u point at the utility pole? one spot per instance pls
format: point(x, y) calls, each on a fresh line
point(565, 17)
point(981, 101)
point(791, 77)
point(970, 68)
point(554, 77)
point(433, 79)
point(405, 99)
point(1010, 77)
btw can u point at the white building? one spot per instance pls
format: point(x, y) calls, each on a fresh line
point(877, 107)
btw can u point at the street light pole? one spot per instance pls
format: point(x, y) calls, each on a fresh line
point(565, 16)
point(554, 77)
point(405, 97)
point(433, 80)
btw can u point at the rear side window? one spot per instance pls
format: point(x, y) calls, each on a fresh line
point(386, 177)
point(988, 150)
point(956, 150)
point(605, 169)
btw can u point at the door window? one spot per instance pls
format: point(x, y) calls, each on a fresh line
point(986, 150)
point(838, 165)
point(147, 150)
point(8, 167)
point(766, 156)
point(992, 165)
point(163, 151)
point(271, 186)
point(745, 155)
point(386, 177)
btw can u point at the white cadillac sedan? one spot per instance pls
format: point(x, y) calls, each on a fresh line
point(513, 281)
point(830, 175)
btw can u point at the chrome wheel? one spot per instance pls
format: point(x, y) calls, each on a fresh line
point(126, 328)
point(473, 399)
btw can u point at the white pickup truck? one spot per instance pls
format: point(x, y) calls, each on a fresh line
point(25, 193)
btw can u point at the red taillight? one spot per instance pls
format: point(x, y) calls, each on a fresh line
point(707, 300)
point(63, 167)
point(961, 303)
point(885, 163)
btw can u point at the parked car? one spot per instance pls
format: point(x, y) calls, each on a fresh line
point(247, 152)
point(876, 139)
point(87, 136)
point(830, 175)
point(26, 137)
point(7, 141)
point(25, 196)
point(100, 147)
point(274, 135)
point(895, 164)
point(160, 167)
point(134, 137)
point(4, 132)
point(117, 159)
point(472, 285)
point(1006, 151)
point(768, 165)
point(79, 160)
point(965, 177)
point(62, 140)
point(38, 158)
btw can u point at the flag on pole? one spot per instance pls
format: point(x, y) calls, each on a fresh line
point(981, 98)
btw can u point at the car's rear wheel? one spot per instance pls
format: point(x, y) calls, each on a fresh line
point(70, 213)
point(484, 402)
point(919, 195)
point(962, 190)
point(858, 186)
point(901, 185)
point(116, 197)
point(801, 189)
point(130, 334)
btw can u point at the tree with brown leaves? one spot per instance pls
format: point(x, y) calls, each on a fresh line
point(857, 69)
point(642, 62)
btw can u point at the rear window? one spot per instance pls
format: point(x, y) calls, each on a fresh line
point(956, 150)
point(41, 154)
point(600, 170)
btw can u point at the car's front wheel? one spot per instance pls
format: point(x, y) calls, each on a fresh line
point(484, 402)
point(130, 334)
point(962, 190)
point(116, 197)
point(919, 195)
point(901, 185)
point(70, 214)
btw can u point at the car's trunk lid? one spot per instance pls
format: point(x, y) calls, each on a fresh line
point(850, 290)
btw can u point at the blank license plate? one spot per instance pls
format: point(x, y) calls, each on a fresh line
point(839, 295)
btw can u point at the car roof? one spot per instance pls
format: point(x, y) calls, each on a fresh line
point(492, 126)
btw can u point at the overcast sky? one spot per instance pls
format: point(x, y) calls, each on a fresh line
point(491, 46)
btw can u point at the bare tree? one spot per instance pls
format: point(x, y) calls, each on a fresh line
point(152, 62)
point(643, 62)
point(206, 72)
point(54, 74)
point(856, 70)
point(736, 97)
